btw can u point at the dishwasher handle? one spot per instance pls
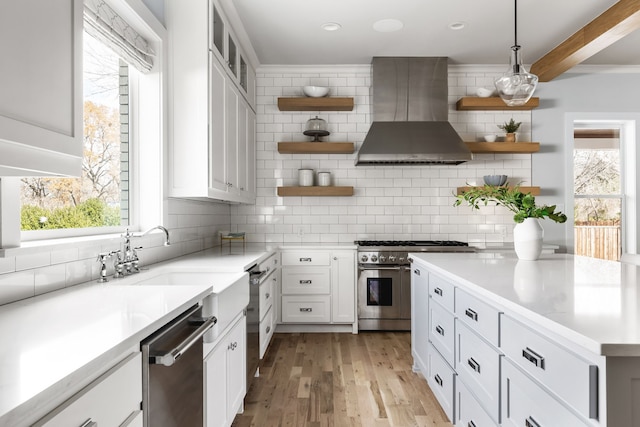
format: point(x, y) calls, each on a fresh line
point(171, 356)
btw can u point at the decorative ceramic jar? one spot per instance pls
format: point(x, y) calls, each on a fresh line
point(527, 239)
point(324, 179)
point(305, 177)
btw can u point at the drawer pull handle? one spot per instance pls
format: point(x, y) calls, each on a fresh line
point(305, 282)
point(438, 291)
point(474, 365)
point(530, 422)
point(471, 424)
point(306, 309)
point(89, 423)
point(268, 329)
point(533, 357)
point(416, 272)
point(471, 314)
point(305, 259)
point(440, 330)
point(438, 380)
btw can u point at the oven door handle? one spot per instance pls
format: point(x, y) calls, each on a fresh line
point(380, 268)
point(170, 357)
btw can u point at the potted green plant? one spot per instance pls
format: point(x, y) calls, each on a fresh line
point(510, 128)
point(527, 233)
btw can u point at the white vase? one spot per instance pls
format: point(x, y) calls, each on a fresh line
point(527, 239)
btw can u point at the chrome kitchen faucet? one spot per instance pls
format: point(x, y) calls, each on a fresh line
point(126, 260)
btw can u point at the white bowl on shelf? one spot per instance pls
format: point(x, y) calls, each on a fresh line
point(315, 91)
point(490, 138)
point(484, 92)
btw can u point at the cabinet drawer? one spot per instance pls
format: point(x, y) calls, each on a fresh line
point(479, 316)
point(564, 373)
point(266, 296)
point(306, 280)
point(266, 331)
point(109, 400)
point(442, 332)
point(441, 380)
point(469, 413)
point(306, 258)
point(301, 309)
point(524, 403)
point(478, 366)
point(442, 291)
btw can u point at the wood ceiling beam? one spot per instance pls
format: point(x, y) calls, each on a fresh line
point(613, 24)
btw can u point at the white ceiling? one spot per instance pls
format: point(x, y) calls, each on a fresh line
point(287, 32)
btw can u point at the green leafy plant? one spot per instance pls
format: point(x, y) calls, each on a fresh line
point(511, 126)
point(523, 205)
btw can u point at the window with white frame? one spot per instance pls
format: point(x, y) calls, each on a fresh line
point(114, 56)
point(598, 176)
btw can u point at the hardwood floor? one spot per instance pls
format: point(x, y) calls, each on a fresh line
point(322, 380)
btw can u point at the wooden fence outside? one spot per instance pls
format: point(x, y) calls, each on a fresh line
point(598, 241)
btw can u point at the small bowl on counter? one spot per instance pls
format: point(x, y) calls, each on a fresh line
point(495, 180)
point(315, 91)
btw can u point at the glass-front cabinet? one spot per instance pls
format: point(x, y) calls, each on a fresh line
point(225, 47)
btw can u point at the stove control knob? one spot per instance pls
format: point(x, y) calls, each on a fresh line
point(401, 260)
point(392, 258)
point(374, 258)
point(383, 258)
point(364, 258)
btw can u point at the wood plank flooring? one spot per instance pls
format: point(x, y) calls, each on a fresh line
point(336, 380)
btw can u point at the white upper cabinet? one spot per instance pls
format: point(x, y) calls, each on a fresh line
point(41, 87)
point(212, 114)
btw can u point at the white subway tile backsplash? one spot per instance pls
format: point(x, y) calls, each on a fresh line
point(49, 278)
point(16, 286)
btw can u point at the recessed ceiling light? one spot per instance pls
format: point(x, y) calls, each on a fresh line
point(456, 25)
point(331, 26)
point(388, 25)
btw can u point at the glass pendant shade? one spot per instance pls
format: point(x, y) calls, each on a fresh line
point(516, 86)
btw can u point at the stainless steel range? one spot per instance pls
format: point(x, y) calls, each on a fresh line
point(384, 280)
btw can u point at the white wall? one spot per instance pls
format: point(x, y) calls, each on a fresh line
point(607, 93)
point(390, 202)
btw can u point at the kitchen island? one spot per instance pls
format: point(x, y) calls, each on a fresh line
point(561, 334)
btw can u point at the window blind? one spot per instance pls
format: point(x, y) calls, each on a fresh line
point(103, 23)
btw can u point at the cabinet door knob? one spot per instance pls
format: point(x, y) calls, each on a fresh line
point(335, 258)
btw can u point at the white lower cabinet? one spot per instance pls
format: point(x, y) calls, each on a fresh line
point(113, 399)
point(420, 319)
point(318, 286)
point(225, 376)
point(469, 413)
point(441, 379)
point(526, 404)
point(478, 366)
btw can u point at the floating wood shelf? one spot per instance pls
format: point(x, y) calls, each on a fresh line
point(315, 147)
point(535, 191)
point(315, 104)
point(503, 147)
point(492, 103)
point(315, 191)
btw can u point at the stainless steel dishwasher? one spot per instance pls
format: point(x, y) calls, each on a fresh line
point(172, 372)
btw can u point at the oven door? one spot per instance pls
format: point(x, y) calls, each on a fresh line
point(379, 292)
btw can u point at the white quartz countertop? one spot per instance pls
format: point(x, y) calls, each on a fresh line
point(593, 303)
point(55, 343)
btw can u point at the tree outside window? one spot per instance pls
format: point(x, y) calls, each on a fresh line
point(99, 197)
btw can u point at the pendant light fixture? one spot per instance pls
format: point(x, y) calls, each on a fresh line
point(516, 86)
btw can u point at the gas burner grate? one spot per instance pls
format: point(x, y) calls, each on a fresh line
point(410, 243)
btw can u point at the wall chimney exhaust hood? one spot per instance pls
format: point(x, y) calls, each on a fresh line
point(410, 112)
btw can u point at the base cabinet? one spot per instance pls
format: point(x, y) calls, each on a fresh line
point(113, 399)
point(318, 287)
point(225, 376)
point(419, 319)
